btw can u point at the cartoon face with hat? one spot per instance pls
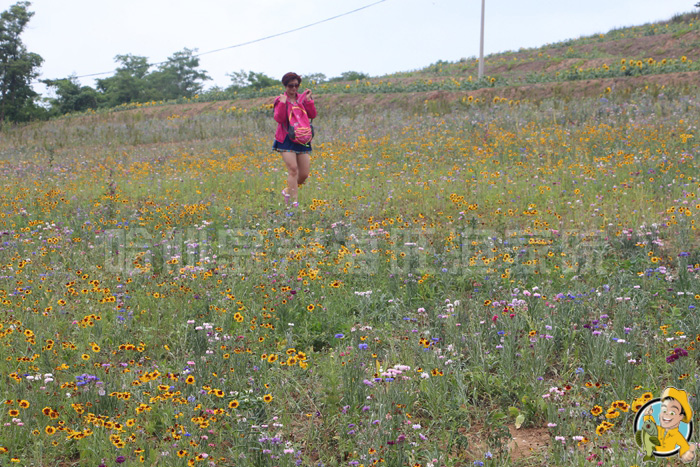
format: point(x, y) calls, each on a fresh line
point(674, 410)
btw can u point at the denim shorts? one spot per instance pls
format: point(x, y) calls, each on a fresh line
point(289, 146)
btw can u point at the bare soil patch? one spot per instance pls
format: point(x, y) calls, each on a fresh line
point(526, 447)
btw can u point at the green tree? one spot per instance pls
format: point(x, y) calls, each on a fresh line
point(315, 77)
point(350, 76)
point(129, 82)
point(179, 76)
point(18, 67)
point(70, 96)
point(250, 80)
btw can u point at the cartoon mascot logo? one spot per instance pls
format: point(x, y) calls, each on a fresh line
point(663, 427)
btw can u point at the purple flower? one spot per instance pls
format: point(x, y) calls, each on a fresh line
point(120, 459)
point(678, 352)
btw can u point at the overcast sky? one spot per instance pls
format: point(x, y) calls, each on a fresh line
point(81, 37)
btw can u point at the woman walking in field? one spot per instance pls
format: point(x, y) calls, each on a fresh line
point(295, 155)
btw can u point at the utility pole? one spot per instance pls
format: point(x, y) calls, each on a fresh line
point(481, 45)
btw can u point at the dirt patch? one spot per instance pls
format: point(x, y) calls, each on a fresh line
point(526, 447)
point(527, 442)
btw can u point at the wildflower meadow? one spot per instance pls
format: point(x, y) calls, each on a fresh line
point(480, 282)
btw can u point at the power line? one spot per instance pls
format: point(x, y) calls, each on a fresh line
point(293, 30)
point(242, 44)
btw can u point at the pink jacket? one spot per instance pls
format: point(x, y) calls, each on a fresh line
point(281, 116)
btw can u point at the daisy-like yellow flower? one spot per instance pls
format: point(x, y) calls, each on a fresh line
point(267, 398)
point(622, 405)
point(596, 410)
point(233, 404)
point(601, 429)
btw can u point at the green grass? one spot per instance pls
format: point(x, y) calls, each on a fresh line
point(453, 270)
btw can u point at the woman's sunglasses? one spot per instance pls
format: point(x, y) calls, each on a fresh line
point(293, 85)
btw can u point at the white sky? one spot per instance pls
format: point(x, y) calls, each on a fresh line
point(83, 36)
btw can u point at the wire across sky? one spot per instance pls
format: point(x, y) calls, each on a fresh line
point(261, 39)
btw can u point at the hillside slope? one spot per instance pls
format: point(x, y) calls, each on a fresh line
point(652, 56)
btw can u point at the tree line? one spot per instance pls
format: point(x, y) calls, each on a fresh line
point(135, 79)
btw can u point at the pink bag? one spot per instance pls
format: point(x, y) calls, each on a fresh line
point(299, 126)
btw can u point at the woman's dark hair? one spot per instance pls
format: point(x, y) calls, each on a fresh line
point(289, 77)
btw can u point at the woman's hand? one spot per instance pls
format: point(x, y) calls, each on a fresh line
point(283, 98)
point(307, 93)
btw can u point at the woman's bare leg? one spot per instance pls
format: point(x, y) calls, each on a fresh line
point(303, 166)
point(290, 160)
